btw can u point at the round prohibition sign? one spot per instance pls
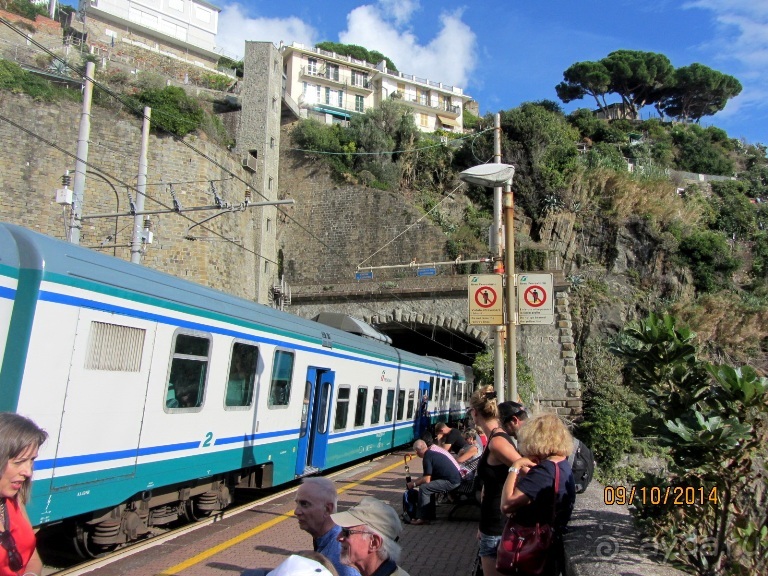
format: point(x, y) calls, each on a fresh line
point(485, 296)
point(535, 296)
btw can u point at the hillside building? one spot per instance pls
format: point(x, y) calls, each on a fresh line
point(332, 88)
point(181, 29)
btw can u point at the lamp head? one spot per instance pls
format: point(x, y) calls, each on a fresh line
point(488, 175)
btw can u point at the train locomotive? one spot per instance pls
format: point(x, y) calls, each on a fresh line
point(161, 396)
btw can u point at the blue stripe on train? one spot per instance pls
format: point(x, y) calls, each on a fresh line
point(57, 298)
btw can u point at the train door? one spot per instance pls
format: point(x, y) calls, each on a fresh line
point(422, 415)
point(105, 398)
point(315, 420)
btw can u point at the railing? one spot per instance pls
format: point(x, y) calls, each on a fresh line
point(365, 64)
point(423, 102)
point(345, 79)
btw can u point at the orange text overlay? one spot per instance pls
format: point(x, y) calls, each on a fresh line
point(659, 495)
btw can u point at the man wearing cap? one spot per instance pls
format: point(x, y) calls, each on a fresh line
point(512, 416)
point(315, 503)
point(369, 534)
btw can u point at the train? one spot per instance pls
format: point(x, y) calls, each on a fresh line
point(161, 396)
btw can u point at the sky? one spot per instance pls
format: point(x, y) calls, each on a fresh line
point(506, 52)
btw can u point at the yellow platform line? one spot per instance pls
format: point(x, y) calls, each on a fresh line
point(205, 554)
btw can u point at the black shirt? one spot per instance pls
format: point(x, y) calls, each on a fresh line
point(439, 467)
point(455, 439)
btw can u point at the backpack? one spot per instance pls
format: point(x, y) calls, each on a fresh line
point(410, 504)
point(583, 465)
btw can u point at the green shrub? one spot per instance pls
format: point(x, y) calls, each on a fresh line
point(709, 257)
point(173, 110)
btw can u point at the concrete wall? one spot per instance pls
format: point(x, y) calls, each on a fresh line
point(258, 134)
point(334, 227)
point(31, 170)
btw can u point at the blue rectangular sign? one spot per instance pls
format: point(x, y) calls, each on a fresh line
point(426, 272)
point(364, 275)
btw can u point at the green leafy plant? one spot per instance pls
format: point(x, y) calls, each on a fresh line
point(714, 419)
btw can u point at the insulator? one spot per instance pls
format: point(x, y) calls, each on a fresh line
point(66, 180)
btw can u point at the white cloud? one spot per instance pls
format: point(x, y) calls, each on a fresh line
point(235, 27)
point(742, 38)
point(448, 58)
point(400, 10)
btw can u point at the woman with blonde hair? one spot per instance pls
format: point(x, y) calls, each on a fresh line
point(529, 495)
point(498, 455)
point(20, 439)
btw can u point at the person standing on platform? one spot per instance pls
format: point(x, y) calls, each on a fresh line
point(492, 470)
point(316, 500)
point(20, 439)
point(369, 534)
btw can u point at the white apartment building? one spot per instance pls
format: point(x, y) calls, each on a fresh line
point(333, 87)
point(182, 28)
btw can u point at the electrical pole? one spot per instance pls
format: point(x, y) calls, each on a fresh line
point(498, 266)
point(78, 190)
point(141, 188)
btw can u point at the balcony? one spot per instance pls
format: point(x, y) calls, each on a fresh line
point(329, 77)
point(424, 104)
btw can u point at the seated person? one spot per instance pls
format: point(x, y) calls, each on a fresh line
point(449, 438)
point(473, 448)
point(440, 475)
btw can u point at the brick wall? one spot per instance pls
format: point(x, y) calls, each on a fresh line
point(30, 172)
point(337, 226)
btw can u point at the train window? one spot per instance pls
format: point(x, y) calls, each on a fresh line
point(242, 375)
point(342, 408)
point(189, 371)
point(390, 405)
point(305, 409)
point(362, 400)
point(400, 404)
point(411, 398)
point(431, 386)
point(114, 347)
point(322, 409)
point(376, 407)
point(282, 372)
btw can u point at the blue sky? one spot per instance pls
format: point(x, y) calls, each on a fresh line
point(504, 53)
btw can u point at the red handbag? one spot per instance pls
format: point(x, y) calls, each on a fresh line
point(524, 548)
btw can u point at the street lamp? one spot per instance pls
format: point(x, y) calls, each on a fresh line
point(494, 176)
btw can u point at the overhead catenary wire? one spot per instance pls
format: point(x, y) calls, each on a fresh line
point(154, 121)
point(232, 175)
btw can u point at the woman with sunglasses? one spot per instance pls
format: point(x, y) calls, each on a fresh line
point(492, 469)
point(20, 439)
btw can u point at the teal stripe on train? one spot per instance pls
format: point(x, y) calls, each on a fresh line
point(86, 493)
point(19, 334)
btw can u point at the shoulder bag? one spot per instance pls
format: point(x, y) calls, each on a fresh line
point(524, 548)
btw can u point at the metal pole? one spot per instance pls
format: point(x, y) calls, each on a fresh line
point(141, 188)
point(509, 217)
point(78, 188)
point(498, 267)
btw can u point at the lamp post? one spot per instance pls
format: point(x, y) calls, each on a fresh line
point(494, 176)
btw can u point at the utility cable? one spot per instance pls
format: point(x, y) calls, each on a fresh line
point(127, 185)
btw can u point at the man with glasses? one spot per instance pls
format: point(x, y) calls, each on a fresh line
point(316, 501)
point(368, 537)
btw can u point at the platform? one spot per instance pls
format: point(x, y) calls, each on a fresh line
point(262, 536)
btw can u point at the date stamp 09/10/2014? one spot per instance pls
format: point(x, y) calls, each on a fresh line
point(658, 495)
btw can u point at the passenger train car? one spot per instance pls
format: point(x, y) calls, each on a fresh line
point(161, 396)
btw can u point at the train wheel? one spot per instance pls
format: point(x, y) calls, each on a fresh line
point(84, 544)
point(192, 510)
